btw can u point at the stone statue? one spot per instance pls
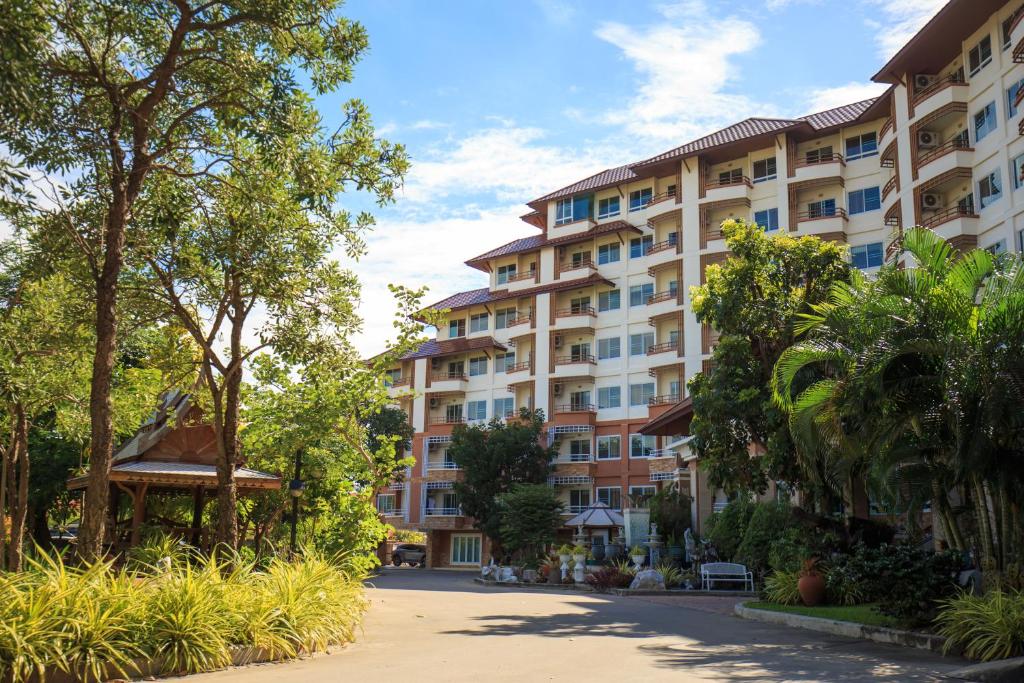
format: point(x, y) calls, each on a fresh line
point(690, 545)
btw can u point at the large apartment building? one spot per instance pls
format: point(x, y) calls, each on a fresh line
point(589, 320)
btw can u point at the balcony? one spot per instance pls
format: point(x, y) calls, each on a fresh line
point(726, 189)
point(657, 350)
point(441, 465)
point(520, 320)
point(520, 372)
point(829, 221)
point(448, 420)
point(443, 382)
point(818, 167)
point(519, 281)
point(580, 268)
point(954, 220)
point(401, 386)
point(670, 196)
point(889, 186)
point(670, 244)
point(944, 91)
point(574, 317)
point(393, 512)
point(887, 134)
point(952, 154)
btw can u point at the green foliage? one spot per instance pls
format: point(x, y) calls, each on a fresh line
point(672, 574)
point(907, 582)
point(410, 536)
point(493, 458)
point(858, 614)
point(730, 526)
point(607, 578)
point(670, 510)
point(984, 627)
point(781, 587)
point(843, 584)
point(530, 516)
point(767, 524)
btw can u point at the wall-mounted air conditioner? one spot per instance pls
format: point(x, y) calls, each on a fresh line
point(931, 201)
point(922, 81)
point(927, 139)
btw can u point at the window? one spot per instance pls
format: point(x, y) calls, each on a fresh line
point(640, 446)
point(980, 55)
point(579, 305)
point(478, 366)
point(638, 199)
point(609, 397)
point(453, 412)
point(638, 343)
point(1020, 240)
point(456, 369)
point(990, 189)
point(997, 248)
point(579, 401)
point(609, 301)
point(503, 407)
point(503, 361)
point(476, 410)
point(608, 207)
point(392, 377)
point(457, 328)
point(1011, 98)
point(386, 503)
point(867, 255)
point(608, 448)
point(820, 155)
point(984, 121)
point(860, 146)
point(465, 549)
point(563, 211)
point(638, 294)
point(864, 200)
point(505, 272)
point(610, 496)
point(503, 316)
point(670, 190)
point(825, 207)
point(639, 246)
point(608, 253)
point(609, 348)
point(764, 169)
point(478, 322)
point(731, 176)
point(1018, 172)
point(579, 450)
point(640, 394)
point(767, 219)
point(642, 493)
point(579, 500)
point(966, 203)
point(580, 352)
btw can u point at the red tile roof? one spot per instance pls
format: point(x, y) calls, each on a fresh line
point(743, 130)
point(476, 297)
point(514, 247)
point(830, 118)
point(527, 244)
point(606, 178)
point(447, 347)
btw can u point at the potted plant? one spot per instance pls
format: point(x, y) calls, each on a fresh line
point(579, 554)
point(638, 555)
point(811, 584)
point(675, 551)
point(565, 553)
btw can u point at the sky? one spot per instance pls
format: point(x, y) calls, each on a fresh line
point(499, 102)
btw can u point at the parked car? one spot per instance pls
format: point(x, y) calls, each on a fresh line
point(409, 553)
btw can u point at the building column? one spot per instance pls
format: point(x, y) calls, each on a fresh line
point(138, 512)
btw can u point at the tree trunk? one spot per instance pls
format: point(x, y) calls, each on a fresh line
point(227, 491)
point(18, 492)
point(988, 561)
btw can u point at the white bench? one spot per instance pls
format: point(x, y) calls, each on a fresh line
point(725, 571)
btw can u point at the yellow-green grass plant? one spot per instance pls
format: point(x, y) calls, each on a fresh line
point(781, 587)
point(984, 627)
point(672, 574)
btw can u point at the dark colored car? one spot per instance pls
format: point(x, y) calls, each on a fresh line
point(409, 553)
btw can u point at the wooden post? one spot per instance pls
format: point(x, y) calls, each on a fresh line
point(115, 506)
point(138, 513)
point(198, 499)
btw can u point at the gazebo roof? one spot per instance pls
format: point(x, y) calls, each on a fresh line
point(181, 474)
point(597, 516)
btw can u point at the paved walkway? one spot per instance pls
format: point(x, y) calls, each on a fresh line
point(439, 626)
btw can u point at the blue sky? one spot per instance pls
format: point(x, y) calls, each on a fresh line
point(499, 102)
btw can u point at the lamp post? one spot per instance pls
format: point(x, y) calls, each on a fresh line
point(296, 487)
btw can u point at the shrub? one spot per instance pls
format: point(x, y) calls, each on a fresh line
point(985, 627)
point(671, 511)
point(907, 581)
point(843, 585)
point(607, 578)
point(767, 523)
point(781, 587)
point(730, 526)
point(672, 575)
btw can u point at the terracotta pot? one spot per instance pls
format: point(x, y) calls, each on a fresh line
point(812, 589)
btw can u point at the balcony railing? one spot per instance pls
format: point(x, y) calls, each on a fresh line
point(658, 297)
point(729, 181)
point(399, 382)
point(671, 242)
point(818, 159)
point(575, 509)
point(393, 512)
point(576, 264)
point(443, 465)
point(575, 358)
point(575, 457)
point(959, 142)
point(949, 214)
point(443, 376)
point(521, 320)
point(442, 512)
point(447, 420)
point(575, 310)
point(820, 214)
point(660, 197)
point(518, 367)
point(939, 84)
point(576, 408)
point(887, 126)
point(662, 347)
point(520, 277)
point(663, 399)
point(889, 186)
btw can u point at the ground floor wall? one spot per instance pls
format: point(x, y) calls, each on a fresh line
point(449, 549)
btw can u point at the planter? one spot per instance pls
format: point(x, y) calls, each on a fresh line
point(529, 575)
point(564, 559)
point(579, 559)
point(638, 560)
point(598, 552)
point(812, 589)
point(676, 553)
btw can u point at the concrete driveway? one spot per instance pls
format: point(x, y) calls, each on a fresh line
point(439, 626)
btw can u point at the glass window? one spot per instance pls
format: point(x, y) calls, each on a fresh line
point(640, 446)
point(764, 169)
point(990, 189)
point(1011, 98)
point(478, 322)
point(386, 503)
point(980, 55)
point(638, 294)
point(767, 219)
point(643, 492)
point(731, 176)
point(392, 377)
point(867, 255)
point(579, 500)
point(819, 155)
point(579, 450)
point(868, 199)
point(640, 394)
point(503, 361)
point(638, 343)
point(609, 348)
point(608, 448)
point(825, 207)
point(476, 410)
point(638, 199)
point(465, 549)
point(504, 407)
point(505, 272)
point(563, 211)
point(609, 397)
point(639, 246)
point(985, 121)
point(478, 366)
point(502, 316)
point(997, 248)
point(1018, 172)
point(608, 207)
point(608, 253)
point(609, 301)
point(610, 496)
point(457, 328)
point(860, 146)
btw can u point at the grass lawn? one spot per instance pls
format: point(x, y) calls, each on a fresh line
point(859, 614)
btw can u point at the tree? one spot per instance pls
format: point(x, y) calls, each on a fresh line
point(104, 97)
point(754, 299)
point(529, 518)
point(388, 426)
point(493, 458)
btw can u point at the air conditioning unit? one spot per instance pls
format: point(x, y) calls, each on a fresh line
point(922, 81)
point(435, 363)
point(930, 200)
point(558, 341)
point(557, 390)
point(434, 403)
point(927, 139)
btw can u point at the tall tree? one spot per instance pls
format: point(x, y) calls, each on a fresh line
point(753, 300)
point(105, 96)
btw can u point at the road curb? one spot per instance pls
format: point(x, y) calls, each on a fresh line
point(567, 587)
point(1002, 671)
point(849, 629)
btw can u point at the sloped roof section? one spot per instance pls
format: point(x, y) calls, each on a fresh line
point(744, 130)
point(607, 177)
point(482, 296)
point(463, 299)
point(447, 347)
point(514, 247)
point(839, 116)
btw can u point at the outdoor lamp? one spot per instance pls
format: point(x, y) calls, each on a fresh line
point(296, 487)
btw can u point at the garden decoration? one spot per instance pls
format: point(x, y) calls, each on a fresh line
point(811, 584)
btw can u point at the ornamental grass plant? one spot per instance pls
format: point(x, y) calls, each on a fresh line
point(184, 615)
point(984, 627)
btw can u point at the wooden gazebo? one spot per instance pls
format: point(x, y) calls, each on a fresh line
point(174, 452)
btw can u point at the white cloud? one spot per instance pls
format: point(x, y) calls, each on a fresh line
point(556, 11)
point(842, 94)
point(684, 61)
point(775, 5)
point(427, 124)
point(901, 20)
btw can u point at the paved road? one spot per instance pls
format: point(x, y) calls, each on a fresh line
point(438, 626)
